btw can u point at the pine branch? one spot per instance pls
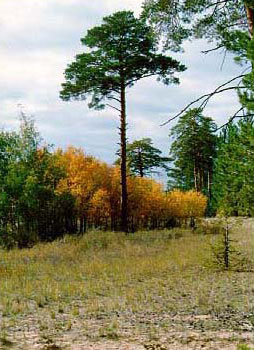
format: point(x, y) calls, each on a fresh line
point(230, 119)
point(213, 49)
point(107, 104)
point(234, 117)
point(207, 97)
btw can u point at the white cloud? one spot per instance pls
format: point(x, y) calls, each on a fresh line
point(39, 37)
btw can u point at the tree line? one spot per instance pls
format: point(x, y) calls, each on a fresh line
point(218, 164)
point(45, 194)
point(42, 196)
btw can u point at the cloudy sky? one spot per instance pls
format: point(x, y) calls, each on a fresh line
point(40, 37)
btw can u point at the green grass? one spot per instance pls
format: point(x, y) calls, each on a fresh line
point(243, 347)
point(109, 285)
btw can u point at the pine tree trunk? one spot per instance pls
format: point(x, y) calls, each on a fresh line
point(209, 183)
point(201, 179)
point(140, 164)
point(226, 248)
point(250, 19)
point(124, 194)
point(195, 177)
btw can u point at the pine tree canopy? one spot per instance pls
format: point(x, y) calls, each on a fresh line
point(120, 51)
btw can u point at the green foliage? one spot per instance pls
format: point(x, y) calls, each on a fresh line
point(193, 151)
point(30, 207)
point(243, 347)
point(143, 157)
point(121, 51)
point(224, 23)
point(247, 95)
point(233, 189)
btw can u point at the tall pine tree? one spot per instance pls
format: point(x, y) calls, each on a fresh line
point(193, 151)
point(120, 52)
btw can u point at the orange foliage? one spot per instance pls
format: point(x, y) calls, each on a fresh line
point(85, 176)
point(189, 204)
point(96, 188)
point(99, 208)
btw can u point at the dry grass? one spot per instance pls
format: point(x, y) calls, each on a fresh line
point(108, 285)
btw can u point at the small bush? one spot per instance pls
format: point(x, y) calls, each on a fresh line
point(243, 347)
point(225, 253)
point(10, 239)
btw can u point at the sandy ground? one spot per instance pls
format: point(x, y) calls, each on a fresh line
point(28, 337)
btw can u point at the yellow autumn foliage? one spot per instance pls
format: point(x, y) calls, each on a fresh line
point(96, 188)
point(190, 204)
